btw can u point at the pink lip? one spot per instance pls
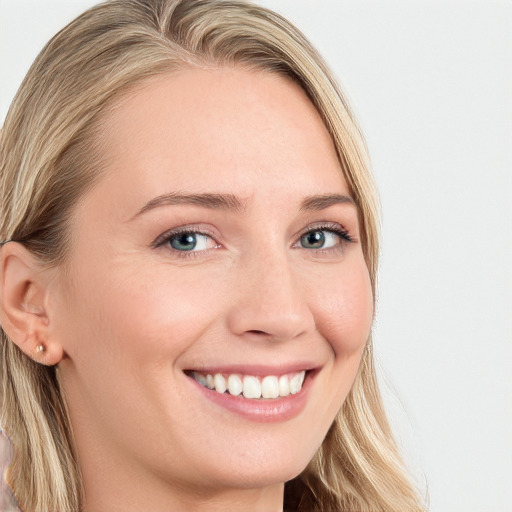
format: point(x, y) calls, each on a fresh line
point(265, 411)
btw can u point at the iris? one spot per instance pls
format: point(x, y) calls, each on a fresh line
point(313, 240)
point(184, 242)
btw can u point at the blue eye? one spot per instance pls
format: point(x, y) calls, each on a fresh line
point(323, 238)
point(313, 240)
point(184, 241)
point(190, 242)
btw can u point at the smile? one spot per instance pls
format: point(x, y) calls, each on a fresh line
point(250, 386)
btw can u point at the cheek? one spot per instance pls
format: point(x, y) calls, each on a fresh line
point(344, 311)
point(146, 315)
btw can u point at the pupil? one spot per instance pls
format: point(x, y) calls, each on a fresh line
point(315, 239)
point(184, 242)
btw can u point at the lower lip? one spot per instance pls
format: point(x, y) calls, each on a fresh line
point(263, 410)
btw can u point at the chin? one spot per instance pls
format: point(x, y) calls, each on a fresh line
point(265, 468)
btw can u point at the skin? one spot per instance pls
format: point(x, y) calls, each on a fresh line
point(124, 318)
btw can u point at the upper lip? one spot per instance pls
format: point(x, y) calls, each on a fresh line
point(254, 369)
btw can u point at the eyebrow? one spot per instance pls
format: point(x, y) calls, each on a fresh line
point(228, 202)
point(321, 202)
point(231, 202)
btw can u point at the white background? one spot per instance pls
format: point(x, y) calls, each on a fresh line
point(431, 84)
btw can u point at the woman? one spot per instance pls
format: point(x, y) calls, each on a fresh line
point(189, 258)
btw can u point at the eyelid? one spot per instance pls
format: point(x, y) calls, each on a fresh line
point(189, 228)
point(333, 227)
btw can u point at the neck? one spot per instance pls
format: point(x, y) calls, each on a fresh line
point(267, 499)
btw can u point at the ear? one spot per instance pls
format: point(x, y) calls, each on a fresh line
point(25, 315)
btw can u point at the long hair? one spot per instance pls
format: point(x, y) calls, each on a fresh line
point(50, 155)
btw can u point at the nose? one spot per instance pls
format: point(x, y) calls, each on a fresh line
point(270, 300)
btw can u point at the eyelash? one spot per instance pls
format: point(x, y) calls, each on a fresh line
point(333, 228)
point(166, 238)
point(328, 227)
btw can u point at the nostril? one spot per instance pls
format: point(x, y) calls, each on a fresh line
point(253, 331)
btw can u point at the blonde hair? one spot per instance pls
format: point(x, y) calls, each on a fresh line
point(49, 156)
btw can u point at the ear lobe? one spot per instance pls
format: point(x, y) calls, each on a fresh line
point(24, 289)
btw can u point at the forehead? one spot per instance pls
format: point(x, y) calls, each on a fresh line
point(208, 129)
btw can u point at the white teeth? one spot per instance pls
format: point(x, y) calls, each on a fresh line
point(219, 382)
point(270, 387)
point(235, 385)
point(296, 383)
point(284, 385)
point(252, 387)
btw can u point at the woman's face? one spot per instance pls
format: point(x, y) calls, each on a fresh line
point(220, 248)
